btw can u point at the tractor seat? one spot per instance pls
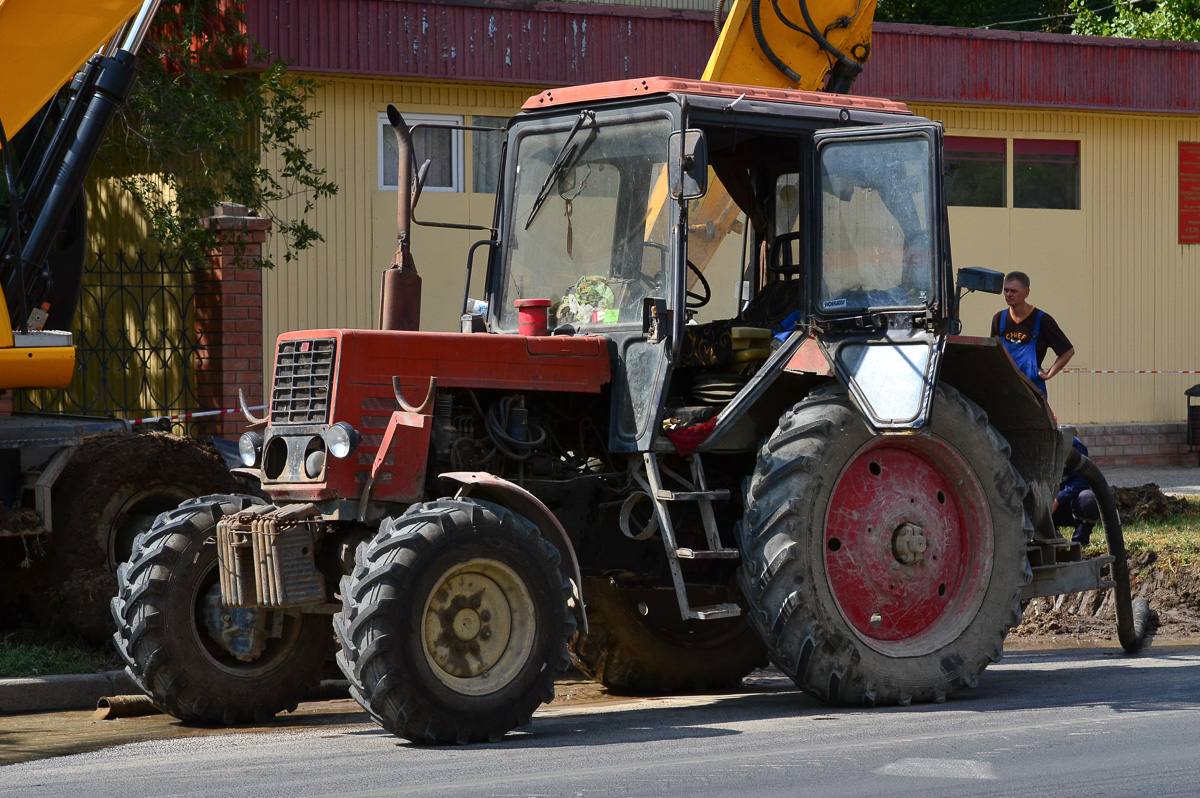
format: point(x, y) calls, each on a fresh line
point(710, 344)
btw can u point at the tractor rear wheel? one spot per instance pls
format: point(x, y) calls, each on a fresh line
point(170, 626)
point(454, 623)
point(637, 643)
point(884, 569)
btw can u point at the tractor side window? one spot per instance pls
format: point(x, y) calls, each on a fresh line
point(876, 212)
point(590, 236)
point(786, 251)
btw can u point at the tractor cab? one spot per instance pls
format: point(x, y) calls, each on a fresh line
point(619, 217)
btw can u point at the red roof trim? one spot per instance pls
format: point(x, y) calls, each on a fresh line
point(525, 42)
point(661, 85)
point(1053, 39)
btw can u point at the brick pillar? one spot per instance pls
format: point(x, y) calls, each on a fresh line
point(6, 403)
point(229, 321)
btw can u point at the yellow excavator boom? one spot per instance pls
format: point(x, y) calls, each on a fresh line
point(43, 43)
point(764, 43)
point(743, 56)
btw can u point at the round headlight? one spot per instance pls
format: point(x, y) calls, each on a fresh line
point(249, 448)
point(342, 440)
point(314, 464)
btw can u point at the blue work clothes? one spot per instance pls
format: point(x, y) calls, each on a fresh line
point(1029, 339)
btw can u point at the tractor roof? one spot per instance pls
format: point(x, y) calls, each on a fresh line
point(626, 89)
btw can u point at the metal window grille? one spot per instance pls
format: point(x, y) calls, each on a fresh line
point(135, 337)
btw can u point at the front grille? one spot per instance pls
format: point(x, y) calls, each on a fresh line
point(303, 373)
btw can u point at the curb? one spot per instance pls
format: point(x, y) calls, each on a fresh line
point(56, 693)
point(82, 691)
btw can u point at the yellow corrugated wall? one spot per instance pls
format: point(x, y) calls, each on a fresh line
point(336, 284)
point(1111, 273)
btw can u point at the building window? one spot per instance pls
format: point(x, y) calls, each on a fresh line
point(485, 153)
point(442, 147)
point(975, 171)
point(1046, 174)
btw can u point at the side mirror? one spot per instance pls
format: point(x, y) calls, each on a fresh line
point(687, 164)
point(974, 278)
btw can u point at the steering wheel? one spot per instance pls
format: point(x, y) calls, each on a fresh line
point(700, 299)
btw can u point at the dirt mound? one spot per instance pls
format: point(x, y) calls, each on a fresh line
point(1148, 503)
point(1173, 593)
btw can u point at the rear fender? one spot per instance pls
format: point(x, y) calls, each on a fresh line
point(982, 370)
point(489, 487)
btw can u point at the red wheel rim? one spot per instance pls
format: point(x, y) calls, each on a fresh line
point(908, 544)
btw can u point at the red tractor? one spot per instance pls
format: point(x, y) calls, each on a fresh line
point(829, 478)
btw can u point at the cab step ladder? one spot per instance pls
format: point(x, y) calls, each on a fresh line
point(694, 490)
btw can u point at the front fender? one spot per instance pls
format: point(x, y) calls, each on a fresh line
point(482, 485)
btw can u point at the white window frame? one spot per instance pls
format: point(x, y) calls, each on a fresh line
point(456, 148)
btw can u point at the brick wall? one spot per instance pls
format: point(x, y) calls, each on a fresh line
point(229, 322)
point(5, 403)
point(1137, 444)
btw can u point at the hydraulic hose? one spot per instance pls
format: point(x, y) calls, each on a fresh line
point(824, 43)
point(756, 24)
point(1132, 616)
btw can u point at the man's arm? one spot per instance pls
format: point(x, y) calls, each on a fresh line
point(1058, 365)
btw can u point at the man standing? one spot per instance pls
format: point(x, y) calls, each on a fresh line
point(1028, 332)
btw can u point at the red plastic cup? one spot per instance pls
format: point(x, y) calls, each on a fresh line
point(531, 316)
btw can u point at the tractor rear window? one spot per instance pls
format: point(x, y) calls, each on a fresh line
point(876, 211)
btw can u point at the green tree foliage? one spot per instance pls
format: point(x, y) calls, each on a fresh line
point(1175, 20)
point(200, 128)
point(1039, 15)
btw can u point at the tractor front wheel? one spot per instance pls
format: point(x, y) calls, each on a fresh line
point(181, 645)
point(884, 569)
point(111, 490)
point(454, 623)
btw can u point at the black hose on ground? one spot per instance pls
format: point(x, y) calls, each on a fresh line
point(1132, 616)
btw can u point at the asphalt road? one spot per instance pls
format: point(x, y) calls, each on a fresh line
point(1089, 722)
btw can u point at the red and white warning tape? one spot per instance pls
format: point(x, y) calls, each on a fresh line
point(184, 416)
point(1130, 371)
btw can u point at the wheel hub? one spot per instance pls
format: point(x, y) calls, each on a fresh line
point(466, 624)
point(478, 626)
point(907, 543)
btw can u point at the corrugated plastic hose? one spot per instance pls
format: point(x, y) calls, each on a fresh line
point(1132, 616)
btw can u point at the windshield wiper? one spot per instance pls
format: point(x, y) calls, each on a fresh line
point(560, 162)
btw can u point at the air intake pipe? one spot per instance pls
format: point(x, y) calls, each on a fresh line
point(400, 292)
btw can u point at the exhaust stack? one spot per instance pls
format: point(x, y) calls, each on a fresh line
point(400, 292)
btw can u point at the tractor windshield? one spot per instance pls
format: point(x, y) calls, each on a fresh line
point(876, 210)
point(582, 231)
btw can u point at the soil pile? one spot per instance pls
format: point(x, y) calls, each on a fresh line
point(1148, 503)
point(1173, 593)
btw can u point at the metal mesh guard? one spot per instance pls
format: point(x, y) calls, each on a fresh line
point(303, 374)
point(266, 562)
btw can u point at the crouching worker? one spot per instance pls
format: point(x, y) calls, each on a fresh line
point(1075, 504)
